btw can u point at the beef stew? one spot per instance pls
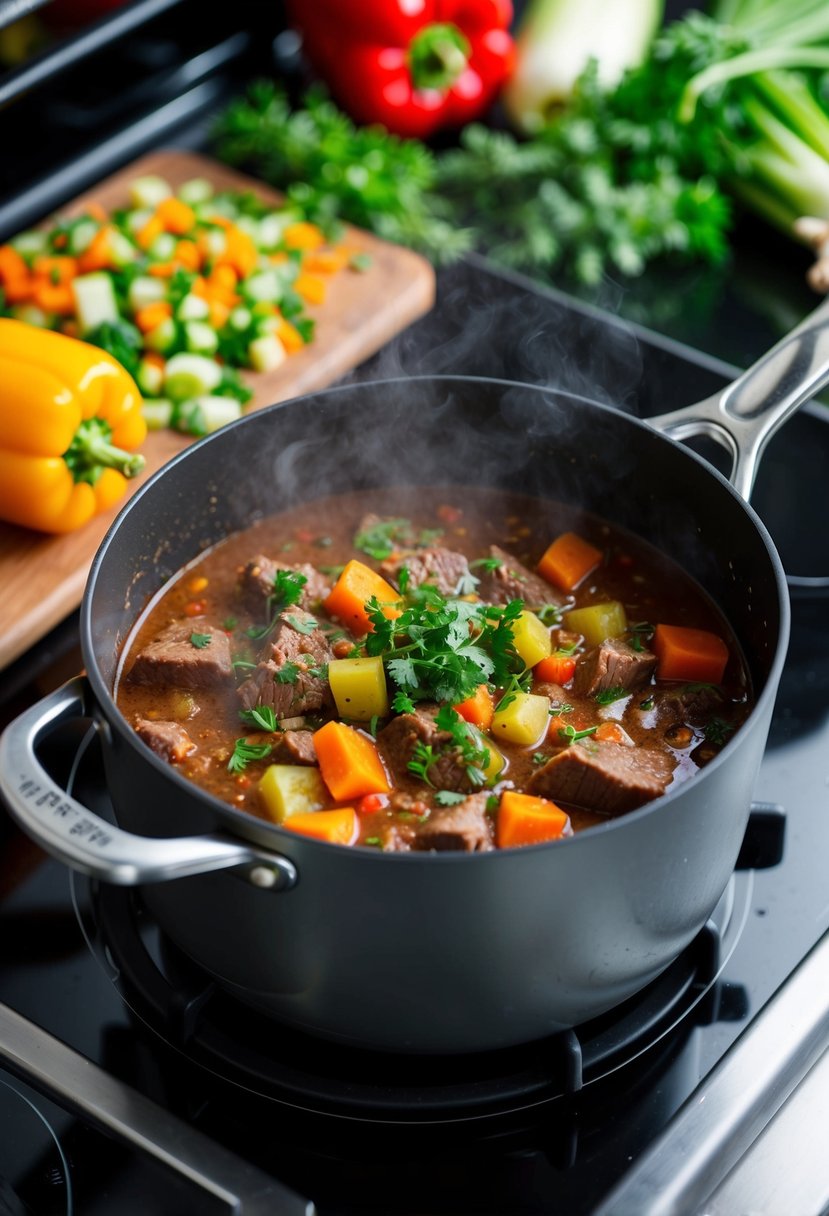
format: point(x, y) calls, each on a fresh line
point(442, 669)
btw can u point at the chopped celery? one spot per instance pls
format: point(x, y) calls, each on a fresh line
point(196, 190)
point(95, 301)
point(205, 414)
point(189, 375)
point(163, 247)
point(149, 378)
point(162, 339)
point(264, 286)
point(266, 353)
point(157, 413)
point(145, 290)
point(193, 308)
point(30, 244)
point(201, 338)
point(149, 191)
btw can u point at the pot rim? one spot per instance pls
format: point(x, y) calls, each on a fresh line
point(239, 822)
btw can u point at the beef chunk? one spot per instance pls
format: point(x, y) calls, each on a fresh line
point(296, 657)
point(295, 747)
point(398, 740)
point(607, 777)
point(513, 581)
point(614, 664)
point(169, 740)
point(441, 568)
point(465, 828)
point(172, 659)
point(256, 584)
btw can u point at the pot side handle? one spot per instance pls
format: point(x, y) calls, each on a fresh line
point(66, 829)
point(745, 414)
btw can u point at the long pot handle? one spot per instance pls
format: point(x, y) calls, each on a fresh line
point(744, 415)
point(72, 833)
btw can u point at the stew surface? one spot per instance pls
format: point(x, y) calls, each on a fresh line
point(434, 669)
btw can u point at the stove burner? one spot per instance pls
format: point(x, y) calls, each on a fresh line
point(183, 1006)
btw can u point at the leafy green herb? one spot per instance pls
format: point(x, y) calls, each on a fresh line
point(261, 716)
point(474, 754)
point(717, 731)
point(560, 707)
point(449, 798)
point(229, 624)
point(120, 339)
point(374, 841)
point(549, 614)
point(492, 804)
point(288, 673)
point(701, 687)
point(244, 753)
point(301, 626)
point(487, 564)
point(648, 703)
point(401, 704)
point(336, 171)
point(287, 590)
point(200, 640)
point(571, 735)
point(243, 664)
point(423, 757)
point(608, 695)
point(540, 758)
point(372, 726)
point(383, 538)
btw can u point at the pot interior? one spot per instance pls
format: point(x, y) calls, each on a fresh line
point(433, 431)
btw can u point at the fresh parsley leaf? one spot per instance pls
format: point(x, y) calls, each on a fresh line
point(302, 626)
point(423, 757)
point(570, 735)
point(608, 695)
point(487, 564)
point(449, 798)
point(229, 624)
point(288, 673)
point(717, 731)
point(260, 716)
point(200, 640)
point(383, 538)
point(244, 753)
point(243, 664)
point(648, 703)
point(401, 704)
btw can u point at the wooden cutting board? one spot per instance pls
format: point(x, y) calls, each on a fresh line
point(42, 577)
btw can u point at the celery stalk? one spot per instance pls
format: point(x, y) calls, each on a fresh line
point(557, 39)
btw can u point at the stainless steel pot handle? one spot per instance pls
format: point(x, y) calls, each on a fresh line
point(744, 415)
point(84, 841)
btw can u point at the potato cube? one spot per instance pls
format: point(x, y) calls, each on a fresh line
point(524, 720)
point(359, 688)
point(292, 789)
point(598, 622)
point(531, 638)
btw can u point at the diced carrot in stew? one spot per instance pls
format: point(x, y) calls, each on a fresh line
point(689, 654)
point(356, 585)
point(556, 669)
point(611, 732)
point(479, 709)
point(349, 762)
point(337, 827)
point(568, 560)
point(523, 819)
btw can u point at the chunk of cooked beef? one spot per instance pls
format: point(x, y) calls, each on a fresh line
point(398, 741)
point(465, 827)
point(613, 664)
point(554, 692)
point(295, 747)
point(256, 584)
point(294, 679)
point(441, 568)
point(511, 580)
point(174, 660)
point(604, 776)
point(169, 740)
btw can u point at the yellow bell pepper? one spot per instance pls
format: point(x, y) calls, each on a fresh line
point(67, 412)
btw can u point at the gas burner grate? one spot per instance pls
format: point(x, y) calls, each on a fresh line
point(210, 1029)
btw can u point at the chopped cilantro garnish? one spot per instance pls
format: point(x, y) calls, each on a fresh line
point(717, 731)
point(571, 735)
point(449, 798)
point(608, 695)
point(301, 626)
point(288, 673)
point(261, 716)
point(244, 753)
point(200, 640)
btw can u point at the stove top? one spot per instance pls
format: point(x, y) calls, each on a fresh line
point(551, 1128)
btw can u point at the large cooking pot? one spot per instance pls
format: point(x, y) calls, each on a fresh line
point(430, 952)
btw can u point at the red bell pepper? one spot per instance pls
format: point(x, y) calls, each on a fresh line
point(413, 65)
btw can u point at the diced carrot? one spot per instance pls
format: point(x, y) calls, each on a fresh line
point(325, 261)
point(195, 608)
point(19, 290)
point(351, 592)
point(337, 827)
point(523, 819)
point(187, 252)
point(611, 732)
point(59, 269)
point(162, 270)
point(98, 253)
point(223, 276)
point(218, 314)
point(12, 264)
point(151, 315)
point(96, 212)
point(311, 287)
point(279, 258)
point(689, 654)
point(303, 235)
point(289, 336)
point(149, 232)
point(349, 762)
point(197, 584)
point(478, 709)
point(240, 253)
point(200, 288)
point(555, 669)
point(568, 560)
point(54, 297)
point(175, 216)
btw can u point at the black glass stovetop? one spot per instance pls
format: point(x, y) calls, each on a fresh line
point(548, 1129)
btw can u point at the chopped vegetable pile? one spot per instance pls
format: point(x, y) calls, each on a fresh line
point(182, 288)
